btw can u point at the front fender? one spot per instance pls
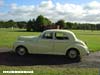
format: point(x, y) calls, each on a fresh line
point(18, 43)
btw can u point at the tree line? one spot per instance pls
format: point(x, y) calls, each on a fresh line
point(42, 23)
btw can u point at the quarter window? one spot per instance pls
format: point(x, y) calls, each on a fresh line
point(61, 36)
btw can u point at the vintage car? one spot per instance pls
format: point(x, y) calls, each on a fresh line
point(53, 41)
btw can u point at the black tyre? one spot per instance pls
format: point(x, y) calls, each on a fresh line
point(73, 54)
point(21, 51)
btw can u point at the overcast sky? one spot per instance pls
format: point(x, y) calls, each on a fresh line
point(69, 10)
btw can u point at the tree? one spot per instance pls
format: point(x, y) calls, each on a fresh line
point(47, 21)
point(75, 25)
point(60, 23)
point(41, 22)
point(10, 23)
point(2, 24)
point(69, 25)
point(93, 27)
point(29, 25)
point(98, 26)
point(33, 25)
point(21, 24)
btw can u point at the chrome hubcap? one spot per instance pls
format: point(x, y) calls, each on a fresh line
point(72, 54)
point(21, 51)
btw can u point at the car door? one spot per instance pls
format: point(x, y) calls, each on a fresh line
point(45, 43)
point(61, 42)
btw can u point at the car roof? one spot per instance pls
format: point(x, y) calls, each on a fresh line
point(59, 30)
point(70, 33)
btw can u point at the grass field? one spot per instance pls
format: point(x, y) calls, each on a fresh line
point(92, 38)
point(8, 36)
point(44, 70)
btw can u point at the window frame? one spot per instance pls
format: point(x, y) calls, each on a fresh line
point(63, 38)
point(48, 38)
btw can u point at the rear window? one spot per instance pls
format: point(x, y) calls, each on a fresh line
point(61, 36)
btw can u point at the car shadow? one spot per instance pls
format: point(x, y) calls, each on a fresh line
point(11, 59)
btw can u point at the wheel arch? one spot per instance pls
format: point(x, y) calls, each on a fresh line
point(21, 46)
point(73, 46)
point(74, 49)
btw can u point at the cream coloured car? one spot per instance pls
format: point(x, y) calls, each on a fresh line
point(53, 41)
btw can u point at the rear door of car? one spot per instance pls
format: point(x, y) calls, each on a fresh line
point(61, 42)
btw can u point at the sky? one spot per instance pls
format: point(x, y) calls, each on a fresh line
point(82, 11)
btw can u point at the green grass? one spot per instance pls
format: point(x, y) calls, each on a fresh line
point(8, 37)
point(92, 38)
point(45, 70)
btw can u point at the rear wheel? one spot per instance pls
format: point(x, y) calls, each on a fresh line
point(73, 54)
point(21, 51)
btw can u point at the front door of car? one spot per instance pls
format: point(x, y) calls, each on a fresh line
point(61, 42)
point(45, 43)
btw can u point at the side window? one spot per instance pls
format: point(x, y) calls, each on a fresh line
point(47, 35)
point(61, 36)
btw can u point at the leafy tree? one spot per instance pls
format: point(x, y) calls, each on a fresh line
point(9, 24)
point(41, 22)
point(29, 25)
point(33, 25)
point(60, 23)
point(98, 26)
point(2, 24)
point(69, 25)
point(93, 27)
point(21, 24)
point(75, 25)
point(47, 21)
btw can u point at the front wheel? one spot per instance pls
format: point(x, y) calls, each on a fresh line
point(21, 51)
point(73, 54)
